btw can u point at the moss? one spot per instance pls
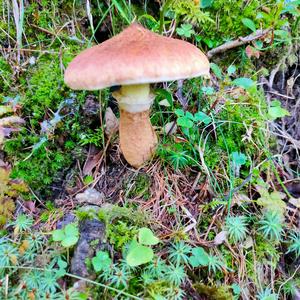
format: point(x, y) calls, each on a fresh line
point(163, 288)
point(5, 75)
point(38, 168)
point(239, 127)
point(188, 11)
point(120, 234)
point(228, 16)
point(42, 155)
point(9, 191)
point(266, 252)
point(121, 224)
point(7, 208)
point(214, 292)
point(45, 89)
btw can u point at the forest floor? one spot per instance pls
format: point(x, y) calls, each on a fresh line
point(213, 215)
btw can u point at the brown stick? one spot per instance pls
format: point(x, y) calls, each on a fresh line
point(238, 42)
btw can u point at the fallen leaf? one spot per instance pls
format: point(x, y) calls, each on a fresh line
point(30, 205)
point(220, 237)
point(170, 128)
point(91, 161)
point(11, 120)
point(248, 242)
point(251, 51)
point(165, 103)
point(5, 168)
point(8, 130)
point(1, 136)
point(272, 201)
point(111, 122)
point(4, 109)
point(295, 202)
point(240, 199)
point(91, 196)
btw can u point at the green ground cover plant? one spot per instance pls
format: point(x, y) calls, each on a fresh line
point(213, 215)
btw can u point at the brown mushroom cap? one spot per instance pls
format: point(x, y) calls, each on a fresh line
point(135, 56)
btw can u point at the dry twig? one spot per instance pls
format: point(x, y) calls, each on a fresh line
point(258, 34)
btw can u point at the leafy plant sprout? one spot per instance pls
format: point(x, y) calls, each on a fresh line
point(290, 288)
point(8, 255)
point(140, 251)
point(106, 274)
point(48, 282)
point(178, 253)
point(271, 226)
point(36, 241)
point(267, 294)
point(175, 274)
point(177, 293)
point(147, 277)
point(68, 236)
point(295, 243)
point(119, 277)
point(214, 263)
point(178, 160)
point(32, 279)
point(236, 226)
point(22, 223)
point(71, 294)
point(157, 267)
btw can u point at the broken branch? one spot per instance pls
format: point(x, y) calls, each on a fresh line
point(238, 42)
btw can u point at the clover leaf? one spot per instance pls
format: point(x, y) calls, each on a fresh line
point(185, 30)
point(68, 236)
point(101, 261)
point(199, 257)
point(146, 237)
point(138, 254)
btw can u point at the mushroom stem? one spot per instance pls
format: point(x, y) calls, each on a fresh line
point(137, 137)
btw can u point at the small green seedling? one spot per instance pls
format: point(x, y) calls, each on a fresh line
point(88, 179)
point(188, 120)
point(244, 82)
point(276, 111)
point(238, 160)
point(271, 201)
point(185, 30)
point(200, 258)
point(102, 261)
point(249, 24)
point(68, 236)
point(231, 70)
point(62, 266)
point(139, 251)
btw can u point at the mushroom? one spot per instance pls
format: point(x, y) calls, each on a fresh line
point(133, 59)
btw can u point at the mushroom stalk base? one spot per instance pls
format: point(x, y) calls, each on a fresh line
point(137, 137)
